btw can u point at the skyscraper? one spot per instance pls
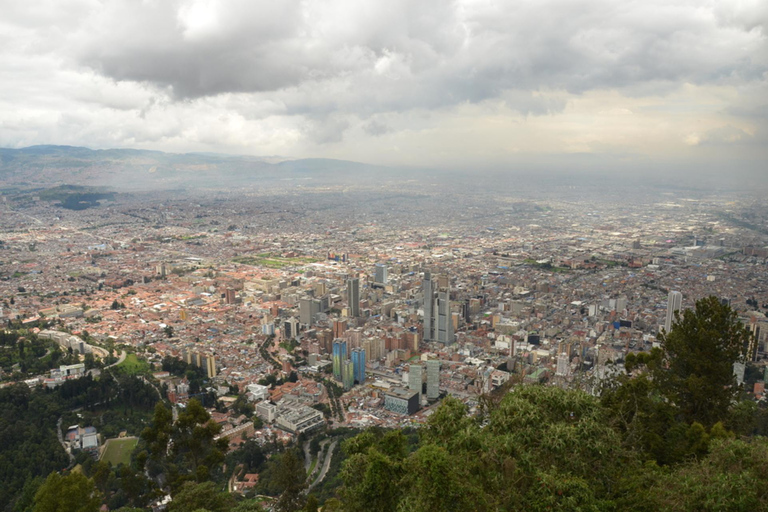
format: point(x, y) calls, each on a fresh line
point(308, 309)
point(358, 362)
point(339, 356)
point(444, 327)
point(433, 379)
point(380, 275)
point(428, 289)
point(347, 374)
point(415, 378)
point(353, 297)
point(674, 303)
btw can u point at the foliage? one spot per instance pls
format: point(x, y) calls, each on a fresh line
point(70, 493)
point(700, 351)
point(201, 496)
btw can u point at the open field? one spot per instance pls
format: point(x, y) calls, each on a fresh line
point(119, 450)
point(133, 365)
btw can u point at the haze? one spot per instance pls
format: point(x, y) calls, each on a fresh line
point(465, 85)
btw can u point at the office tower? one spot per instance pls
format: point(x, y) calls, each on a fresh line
point(444, 319)
point(674, 303)
point(621, 304)
point(229, 296)
point(347, 374)
point(353, 297)
point(308, 310)
point(428, 290)
point(433, 379)
point(415, 378)
point(358, 361)
point(339, 356)
point(291, 328)
point(380, 276)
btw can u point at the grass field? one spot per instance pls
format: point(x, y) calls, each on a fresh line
point(119, 450)
point(133, 365)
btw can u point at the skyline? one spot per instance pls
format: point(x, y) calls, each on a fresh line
point(464, 86)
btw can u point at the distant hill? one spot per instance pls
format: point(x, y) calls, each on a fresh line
point(136, 169)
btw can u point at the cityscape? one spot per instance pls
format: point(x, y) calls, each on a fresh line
point(350, 257)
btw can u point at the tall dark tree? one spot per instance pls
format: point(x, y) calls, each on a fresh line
point(291, 478)
point(700, 351)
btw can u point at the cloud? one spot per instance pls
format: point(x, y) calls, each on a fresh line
point(417, 82)
point(401, 54)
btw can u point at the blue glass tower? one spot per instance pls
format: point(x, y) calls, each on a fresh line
point(339, 356)
point(358, 360)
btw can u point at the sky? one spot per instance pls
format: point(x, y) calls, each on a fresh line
point(469, 84)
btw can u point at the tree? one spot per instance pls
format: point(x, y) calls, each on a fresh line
point(193, 440)
point(71, 493)
point(194, 496)
point(700, 351)
point(291, 478)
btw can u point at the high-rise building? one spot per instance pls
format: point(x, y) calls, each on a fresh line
point(415, 378)
point(358, 361)
point(444, 319)
point(433, 379)
point(308, 310)
point(339, 356)
point(674, 303)
point(347, 374)
point(428, 290)
point(291, 328)
point(339, 328)
point(380, 274)
point(353, 297)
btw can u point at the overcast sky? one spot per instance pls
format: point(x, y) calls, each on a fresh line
point(466, 84)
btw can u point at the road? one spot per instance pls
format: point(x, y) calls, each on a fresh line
point(326, 465)
point(122, 357)
point(61, 440)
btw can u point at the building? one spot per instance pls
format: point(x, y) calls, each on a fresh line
point(674, 303)
point(339, 356)
point(209, 365)
point(358, 362)
point(353, 297)
point(291, 328)
point(258, 392)
point(308, 309)
point(299, 419)
point(415, 378)
point(444, 324)
point(433, 379)
point(401, 401)
point(563, 365)
point(347, 374)
point(380, 274)
point(428, 291)
point(267, 411)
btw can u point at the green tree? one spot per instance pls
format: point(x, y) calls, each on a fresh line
point(193, 440)
point(206, 496)
point(700, 351)
point(291, 478)
point(71, 493)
